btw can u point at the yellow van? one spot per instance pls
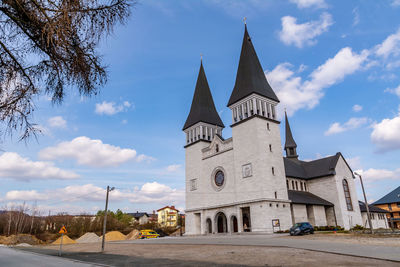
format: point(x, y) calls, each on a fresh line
point(148, 234)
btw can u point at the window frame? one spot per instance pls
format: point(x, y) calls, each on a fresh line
point(347, 195)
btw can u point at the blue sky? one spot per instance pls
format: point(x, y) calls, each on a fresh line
point(333, 64)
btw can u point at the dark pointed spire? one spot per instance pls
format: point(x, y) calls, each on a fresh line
point(250, 77)
point(203, 108)
point(290, 144)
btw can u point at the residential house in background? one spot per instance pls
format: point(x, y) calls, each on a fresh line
point(140, 217)
point(168, 216)
point(378, 216)
point(391, 203)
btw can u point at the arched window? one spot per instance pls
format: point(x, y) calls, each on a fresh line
point(216, 148)
point(292, 185)
point(347, 195)
point(297, 186)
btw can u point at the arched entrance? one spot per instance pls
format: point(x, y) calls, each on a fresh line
point(222, 226)
point(234, 224)
point(209, 226)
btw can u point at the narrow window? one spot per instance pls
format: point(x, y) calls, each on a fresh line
point(390, 206)
point(292, 185)
point(301, 186)
point(276, 196)
point(297, 186)
point(268, 126)
point(287, 184)
point(270, 148)
point(273, 171)
point(216, 148)
point(347, 195)
point(305, 187)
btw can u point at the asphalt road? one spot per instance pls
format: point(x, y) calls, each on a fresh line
point(15, 258)
point(360, 250)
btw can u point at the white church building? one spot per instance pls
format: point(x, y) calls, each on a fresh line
point(244, 183)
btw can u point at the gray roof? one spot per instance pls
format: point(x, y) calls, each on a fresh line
point(312, 169)
point(372, 208)
point(137, 215)
point(392, 197)
point(203, 108)
point(250, 77)
point(302, 197)
point(289, 142)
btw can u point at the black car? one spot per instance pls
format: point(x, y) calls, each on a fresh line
point(301, 229)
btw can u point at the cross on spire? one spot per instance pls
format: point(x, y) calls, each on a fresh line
point(245, 20)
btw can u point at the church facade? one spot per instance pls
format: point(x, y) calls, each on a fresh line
point(244, 183)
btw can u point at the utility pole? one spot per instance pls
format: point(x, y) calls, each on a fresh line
point(105, 218)
point(366, 203)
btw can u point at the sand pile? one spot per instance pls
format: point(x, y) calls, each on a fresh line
point(66, 240)
point(23, 245)
point(133, 235)
point(88, 238)
point(114, 236)
point(17, 239)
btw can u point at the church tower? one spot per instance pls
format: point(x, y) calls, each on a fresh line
point(290, 144)
point(202, 125)
point(255, 131)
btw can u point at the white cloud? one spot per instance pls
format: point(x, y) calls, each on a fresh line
point(158, 193)
point(25, 195)
point(12, 165)
point(372, 174)
point(91, 152)
point(385, 134)
point(356, 18)
point(357, 108)
point(111, 108)
point(304, 34)
point(173, 168)
point(396, 3)
point(57, 122)
point(352, 123)
point(395, 91)
point(310, 3)
point(153, 192)
point(296, 94)
point(390, 46)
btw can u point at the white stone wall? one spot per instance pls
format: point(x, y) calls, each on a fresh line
point(320, 216)
point(345, 218)
point(376, 221)
point(193, 170)
point(251, 140)
point(299, 213)
point(330, 188)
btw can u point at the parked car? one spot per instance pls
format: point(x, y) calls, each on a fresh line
point(302, 228)
point(148, 234)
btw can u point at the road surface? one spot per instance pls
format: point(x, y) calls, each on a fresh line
point(360, 250)
point(15, 258)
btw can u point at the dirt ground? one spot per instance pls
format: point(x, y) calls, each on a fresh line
point(355, 239)
point(204, 255)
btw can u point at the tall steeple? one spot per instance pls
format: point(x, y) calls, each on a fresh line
point(252, 95)
point(290, 144)
point(250, 77)
point(203, 120)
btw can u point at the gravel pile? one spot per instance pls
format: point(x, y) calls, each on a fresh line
point(114, 236)
point(88, 238)
point(133, 235)
point(66, 240)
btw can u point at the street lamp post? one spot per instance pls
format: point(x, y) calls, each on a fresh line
point(366, 203)
point(105, 218)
